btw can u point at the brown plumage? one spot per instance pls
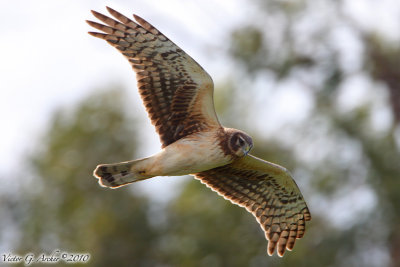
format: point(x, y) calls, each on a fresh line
point(268, 192)
point(173, 87)
point(178, 96)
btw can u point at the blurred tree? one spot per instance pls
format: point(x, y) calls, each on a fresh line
point(383, 64)
point(65, 208)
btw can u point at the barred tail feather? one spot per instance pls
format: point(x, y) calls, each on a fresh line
point(119, 174)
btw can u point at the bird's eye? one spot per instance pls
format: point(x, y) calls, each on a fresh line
point(241, 141)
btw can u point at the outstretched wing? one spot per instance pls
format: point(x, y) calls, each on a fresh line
point(176, 91)
point(267, 191)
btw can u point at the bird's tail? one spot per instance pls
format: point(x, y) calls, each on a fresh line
point(120, 174)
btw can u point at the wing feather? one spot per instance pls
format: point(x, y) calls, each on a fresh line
point(176, 91)
point(268, 192)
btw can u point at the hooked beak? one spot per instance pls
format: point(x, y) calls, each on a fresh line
point(247, 149)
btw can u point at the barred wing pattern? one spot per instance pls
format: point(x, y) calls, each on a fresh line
point(268, 192)
point(176, 91)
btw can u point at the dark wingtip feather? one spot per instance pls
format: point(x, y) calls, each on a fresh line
point(109, 9)
point(98, 35)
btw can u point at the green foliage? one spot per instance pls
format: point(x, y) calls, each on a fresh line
point(205, 230)
point(246, 46)
point(69, 210)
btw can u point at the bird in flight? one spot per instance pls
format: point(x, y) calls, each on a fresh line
point(178, 95)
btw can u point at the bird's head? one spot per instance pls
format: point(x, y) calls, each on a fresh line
point(240, 143)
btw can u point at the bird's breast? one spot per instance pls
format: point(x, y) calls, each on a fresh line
point(192, 154)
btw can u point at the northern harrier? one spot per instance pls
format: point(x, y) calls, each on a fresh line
point(178, 96)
